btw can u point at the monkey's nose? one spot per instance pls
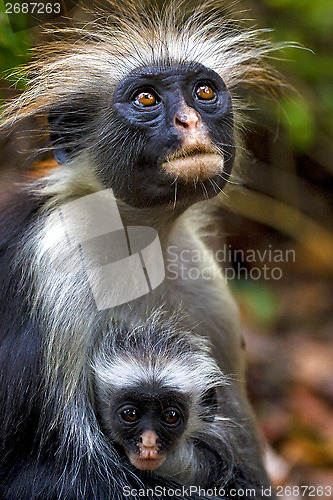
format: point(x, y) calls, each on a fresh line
point(182, 121)
point(186, 119)
point(149, 439)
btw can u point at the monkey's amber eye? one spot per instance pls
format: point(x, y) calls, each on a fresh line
point(204, 92)
point(130, 415)
point(145, 98)
point(170, 417)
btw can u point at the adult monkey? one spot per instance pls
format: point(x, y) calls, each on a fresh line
point(143, 103)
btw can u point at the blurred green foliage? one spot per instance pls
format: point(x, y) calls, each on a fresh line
point(309, 114)
point(14, 46)
point(257, 300)
point(300, 123)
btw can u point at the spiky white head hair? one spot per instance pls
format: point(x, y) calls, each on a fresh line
point(91, 60)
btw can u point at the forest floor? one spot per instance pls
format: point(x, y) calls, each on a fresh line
point(290, 379)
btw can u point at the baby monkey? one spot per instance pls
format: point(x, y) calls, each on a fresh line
point(148, 420)
point(155, 397)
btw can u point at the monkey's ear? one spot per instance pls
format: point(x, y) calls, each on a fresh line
point(70, 127)
point(209, 404)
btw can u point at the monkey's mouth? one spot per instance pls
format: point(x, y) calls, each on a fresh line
point(197, 164)
point(146, 463)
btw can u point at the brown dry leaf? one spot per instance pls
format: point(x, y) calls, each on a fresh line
point(313, 366)
point(312, 411)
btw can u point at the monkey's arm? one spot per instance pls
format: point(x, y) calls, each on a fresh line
point(197, 281)
point(195, 277)
point(214, 469)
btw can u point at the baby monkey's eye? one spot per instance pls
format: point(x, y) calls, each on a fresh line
point(204, 92)
point(130, 415)
point(171, 416)
point(145, 98)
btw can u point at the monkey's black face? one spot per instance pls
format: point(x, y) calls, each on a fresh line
point(165, 137)
point(147, 424)
point(169, 137)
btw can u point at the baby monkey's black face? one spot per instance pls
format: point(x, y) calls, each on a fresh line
point(147, 425)
point(173, 128)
